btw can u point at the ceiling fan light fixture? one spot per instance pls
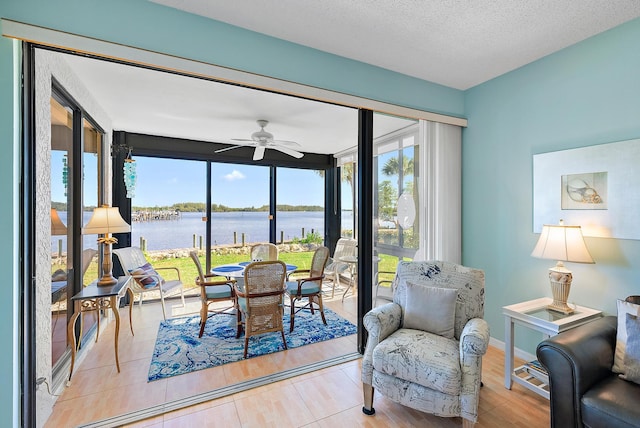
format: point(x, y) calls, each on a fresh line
point(262, 136)
point(263, 140)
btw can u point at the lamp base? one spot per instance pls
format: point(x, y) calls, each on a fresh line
point(560, 307)
point(107, 281)
point(560, 278)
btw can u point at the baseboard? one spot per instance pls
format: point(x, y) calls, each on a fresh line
point(519, 353)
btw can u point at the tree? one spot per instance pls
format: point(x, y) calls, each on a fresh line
point(387, 197)
point(392, 167)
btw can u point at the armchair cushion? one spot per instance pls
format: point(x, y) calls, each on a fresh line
point(218, 291)
point(146, 275)
point(307, 287)
point(430, 309)
point(420, 357)
point(470, 301)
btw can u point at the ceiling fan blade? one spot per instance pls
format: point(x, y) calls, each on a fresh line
point(242, 139)
point(228, 148)
point(258, 153)
point(287, 143)
point(288, 151)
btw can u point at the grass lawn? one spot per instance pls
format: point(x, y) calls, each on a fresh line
point(188, 270)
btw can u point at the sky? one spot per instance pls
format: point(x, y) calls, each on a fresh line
point(162, 182)
point(166, 181)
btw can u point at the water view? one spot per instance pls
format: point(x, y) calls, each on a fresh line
point(178, 233)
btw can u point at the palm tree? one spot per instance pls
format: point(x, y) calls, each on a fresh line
point(392, 166)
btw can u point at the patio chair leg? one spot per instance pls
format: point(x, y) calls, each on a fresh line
point(283, 339)
point(335, 279)
point(293, 313)
point(324, 320)
point(203, 319)
point(182, 295)
point(246, 345)
point(164, 313)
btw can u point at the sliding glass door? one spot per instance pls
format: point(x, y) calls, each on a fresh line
point(75, 187)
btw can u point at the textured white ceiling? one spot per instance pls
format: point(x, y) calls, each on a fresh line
point(159, 103)
point(456, 43)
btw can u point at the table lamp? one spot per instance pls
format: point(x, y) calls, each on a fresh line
point(57, 226)
point(106, 220)
point(564, 244)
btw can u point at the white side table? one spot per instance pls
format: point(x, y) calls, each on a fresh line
point(534, 315)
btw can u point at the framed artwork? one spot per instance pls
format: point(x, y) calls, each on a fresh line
point(596, 187)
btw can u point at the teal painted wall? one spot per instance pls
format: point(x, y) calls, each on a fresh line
point(143, 24)
point(9, 393)
point(147, 25)
point(584, 95)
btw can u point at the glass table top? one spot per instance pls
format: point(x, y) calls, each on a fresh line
point(548, 315)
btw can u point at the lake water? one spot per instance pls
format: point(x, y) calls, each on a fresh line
point(165, 234)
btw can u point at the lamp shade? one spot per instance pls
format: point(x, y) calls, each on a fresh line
point(562, 243)
point(106, 219)
point(57, 226)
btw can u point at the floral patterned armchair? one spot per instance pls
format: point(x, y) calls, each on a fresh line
point(425, 349)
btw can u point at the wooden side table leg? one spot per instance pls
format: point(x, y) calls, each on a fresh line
point(71, 338)
point(97, 322)
point(113, 300)
point(130, 294)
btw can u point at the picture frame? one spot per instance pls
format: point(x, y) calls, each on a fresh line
point(593, 187)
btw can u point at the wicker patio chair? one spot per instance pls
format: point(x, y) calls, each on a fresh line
point(260, 300)
point(212, 291)
point(263, 252)
point(308, 286)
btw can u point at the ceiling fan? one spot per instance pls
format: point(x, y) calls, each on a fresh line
point(263, 140)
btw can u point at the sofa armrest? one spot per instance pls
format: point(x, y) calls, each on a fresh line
point(575, 360)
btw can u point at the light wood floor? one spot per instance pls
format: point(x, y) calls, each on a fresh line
point(325, 398)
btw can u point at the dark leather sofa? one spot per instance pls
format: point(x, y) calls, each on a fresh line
point(584, 390)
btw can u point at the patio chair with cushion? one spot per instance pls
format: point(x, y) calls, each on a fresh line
point(264, 252)
point(146, 277)
point(335, 267)
point(260, 300)
point(425, 348)
point(212, 291)
point(308, 286)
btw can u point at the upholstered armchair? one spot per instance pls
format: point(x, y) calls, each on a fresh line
point(425, 348)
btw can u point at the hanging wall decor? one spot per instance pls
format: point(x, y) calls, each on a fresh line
point(590, 186)
point(130, 175)
point(65, 174)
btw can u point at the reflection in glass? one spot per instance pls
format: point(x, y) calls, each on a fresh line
point(61, 143)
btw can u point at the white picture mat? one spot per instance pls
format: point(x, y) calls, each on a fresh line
point(621, 161)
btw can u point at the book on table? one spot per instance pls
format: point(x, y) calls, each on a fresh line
point(537, 370)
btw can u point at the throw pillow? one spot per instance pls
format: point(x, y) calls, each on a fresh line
point(430, 309)
point(632, 354)
point(59, 275)
point(621, 335)
point(146, 275)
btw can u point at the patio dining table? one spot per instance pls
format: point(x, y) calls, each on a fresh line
point(236, 270)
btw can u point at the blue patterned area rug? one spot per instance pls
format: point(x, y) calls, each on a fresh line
point(179, 350)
